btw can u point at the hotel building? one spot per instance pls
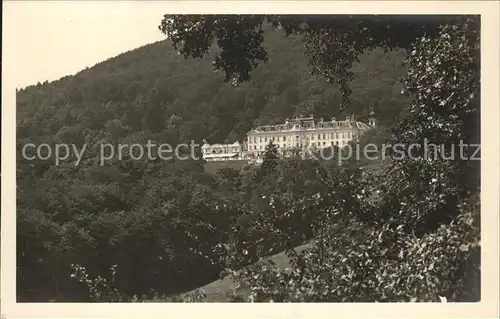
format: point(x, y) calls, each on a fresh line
point(300, 133)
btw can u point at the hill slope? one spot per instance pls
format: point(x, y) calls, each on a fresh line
point(221, 290)
point(154, 88)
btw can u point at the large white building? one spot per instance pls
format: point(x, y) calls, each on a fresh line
point(300, 133)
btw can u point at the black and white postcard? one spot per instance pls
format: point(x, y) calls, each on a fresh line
point(296, 158)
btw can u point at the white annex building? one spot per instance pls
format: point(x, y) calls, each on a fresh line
point(295, 134)
point(221, 152)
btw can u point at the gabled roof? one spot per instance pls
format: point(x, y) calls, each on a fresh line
point(206, 145)
point(307, 124)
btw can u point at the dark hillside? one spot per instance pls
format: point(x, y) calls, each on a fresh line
point(171, 86)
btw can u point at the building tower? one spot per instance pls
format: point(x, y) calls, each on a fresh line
point(372, 121)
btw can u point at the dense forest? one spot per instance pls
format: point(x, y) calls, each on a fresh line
point(153, 88)
point(139, 229)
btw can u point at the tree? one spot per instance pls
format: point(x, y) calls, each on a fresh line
point(332, 42)
point(230, 176)
point(269, 162)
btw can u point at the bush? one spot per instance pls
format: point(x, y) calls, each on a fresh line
point(351, 261)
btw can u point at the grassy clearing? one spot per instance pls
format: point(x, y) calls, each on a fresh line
point(212, 167)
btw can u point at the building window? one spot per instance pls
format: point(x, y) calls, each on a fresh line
point(332, 143)
point(260, 139)
point(255, 147)
point(284, 138)
point(337, 136)
point(260, 147)
point(313, 144)
point(265, 139)
point(324, 136)
point(297, 137)
point(324, 143)
point(348, 134)
point(331, 136)
point(337, 142)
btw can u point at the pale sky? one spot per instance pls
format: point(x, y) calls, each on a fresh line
point(58, 38)
point(52, 39)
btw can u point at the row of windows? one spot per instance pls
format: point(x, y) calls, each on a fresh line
point(324, 136)
point(220, 151)
point(337, 143)
point(331, 143)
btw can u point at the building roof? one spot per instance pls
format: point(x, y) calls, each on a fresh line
point(299, 124)
point(220, 155)
point(362, 126)
point(206, 145)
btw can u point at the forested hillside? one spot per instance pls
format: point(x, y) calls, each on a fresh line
point(154, 89)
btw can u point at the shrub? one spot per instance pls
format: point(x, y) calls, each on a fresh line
point(351, 261)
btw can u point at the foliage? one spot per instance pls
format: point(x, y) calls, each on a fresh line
point(103, 290)
point(99, 288)
point(351, 261)
point(332, 42)
point(446, 115)
point(406, 247)
point(269, 162)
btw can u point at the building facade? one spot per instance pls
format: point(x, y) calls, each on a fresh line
point(301, 133)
